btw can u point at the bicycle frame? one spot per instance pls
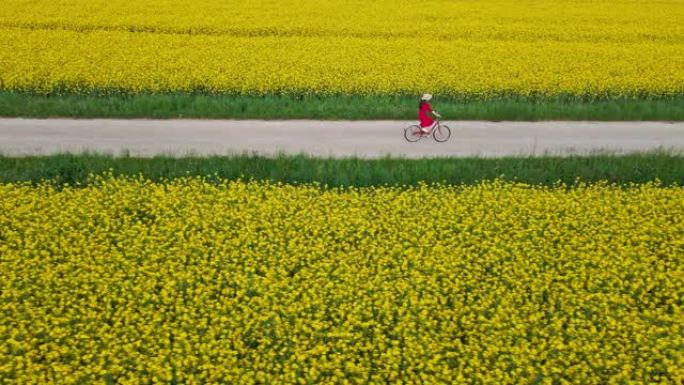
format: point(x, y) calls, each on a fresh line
point(432, 128)
point(415, 132)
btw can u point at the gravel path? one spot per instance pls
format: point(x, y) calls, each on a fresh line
point(330, 138)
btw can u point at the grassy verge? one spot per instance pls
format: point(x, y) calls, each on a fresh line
point(334, 107)
point(636, 168)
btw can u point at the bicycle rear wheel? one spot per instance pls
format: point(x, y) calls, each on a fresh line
point(441, 133)
point(412, 133)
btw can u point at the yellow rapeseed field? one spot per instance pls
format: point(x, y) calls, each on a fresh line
point(129, 281)
point(471, 47)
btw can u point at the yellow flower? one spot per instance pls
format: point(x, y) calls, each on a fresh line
point(469, 48)
point(132, 281)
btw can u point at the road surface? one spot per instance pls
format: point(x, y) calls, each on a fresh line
point(330, 138)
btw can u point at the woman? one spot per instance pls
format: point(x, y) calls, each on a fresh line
point(423, 109)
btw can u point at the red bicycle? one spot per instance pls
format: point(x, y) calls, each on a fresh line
point(441, 132)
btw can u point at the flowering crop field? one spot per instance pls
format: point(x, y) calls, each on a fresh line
point(185, 281)
point(613, 48)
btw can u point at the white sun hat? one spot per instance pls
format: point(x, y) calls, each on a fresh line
point(426, 97)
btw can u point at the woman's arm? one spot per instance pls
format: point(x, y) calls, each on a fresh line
point(435, 113)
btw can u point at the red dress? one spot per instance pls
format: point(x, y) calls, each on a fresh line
point(425, 120)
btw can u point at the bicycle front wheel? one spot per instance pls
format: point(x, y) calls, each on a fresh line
point(412, 133)
point(441, 133)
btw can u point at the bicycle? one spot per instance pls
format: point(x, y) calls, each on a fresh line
point(441, 132)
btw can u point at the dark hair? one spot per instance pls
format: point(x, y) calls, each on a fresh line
point(420, 104)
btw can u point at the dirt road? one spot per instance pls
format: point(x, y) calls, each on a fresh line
point(330, 138)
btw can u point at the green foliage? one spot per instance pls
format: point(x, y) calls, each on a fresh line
point(624, 169)
point(352, 107)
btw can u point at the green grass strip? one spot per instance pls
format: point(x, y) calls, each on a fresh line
point(625, 169)
point(348, 107)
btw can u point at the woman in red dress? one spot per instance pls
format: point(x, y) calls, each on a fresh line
point(423, 108)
